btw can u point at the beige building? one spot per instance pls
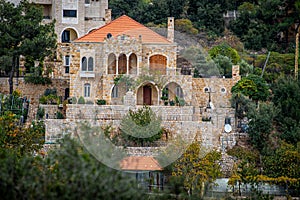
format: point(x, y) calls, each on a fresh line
point(145, 61)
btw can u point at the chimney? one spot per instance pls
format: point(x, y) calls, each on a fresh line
point(107, 17)
point(170, 29)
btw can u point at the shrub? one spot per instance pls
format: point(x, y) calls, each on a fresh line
point(101, 102)
point(81, 100)
point(37, 80)
point(185, 25)
point(73, 100)
point(59, 115)
point(40, 113)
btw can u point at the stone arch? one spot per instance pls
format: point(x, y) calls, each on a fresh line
point(158, 63)
point(133, 64)
point(111, 64)
point(68, 35)
point(122, 64)
point(174, 90)
point(147, 94)
point(117, 93)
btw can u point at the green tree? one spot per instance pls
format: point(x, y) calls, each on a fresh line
point(286, 96)
point(23, 33)
point(16, 137)
point(207, 15)
point(197, 167)
point(261, 23)
point(224, 65)
point(225, 50)
point(203, 67)
point(68, 172)
point(261, 125)
point(253, 87)
point(141, 126)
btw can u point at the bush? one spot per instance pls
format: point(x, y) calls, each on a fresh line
point(185, 25)
point(81, 100)
point(59, 115)
point(73, 100)
point(37, 80)
point(101, 102)
point(40, 113)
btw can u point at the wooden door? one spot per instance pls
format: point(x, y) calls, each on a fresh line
point(147, 95)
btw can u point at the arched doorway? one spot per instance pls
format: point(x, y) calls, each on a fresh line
point(147, 94)
point(173, 92)
point(68, 35)
point(158, 64)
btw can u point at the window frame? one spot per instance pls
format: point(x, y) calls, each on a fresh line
point(87, 90)
point(69, 13)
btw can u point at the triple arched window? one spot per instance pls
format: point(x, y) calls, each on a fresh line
point(87, 64)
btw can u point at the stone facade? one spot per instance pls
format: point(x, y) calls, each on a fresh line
point(34, 92)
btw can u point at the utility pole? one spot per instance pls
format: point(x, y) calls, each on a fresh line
point(297, 54)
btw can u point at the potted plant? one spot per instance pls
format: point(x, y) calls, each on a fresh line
point(172, 103)
point(165, 99)
point(101, 102)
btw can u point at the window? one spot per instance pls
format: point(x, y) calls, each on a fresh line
point(84, 64)
point(115, 92)
point(65, 36)
point(87, 1)
point(67, 60)
point(67, 69)
point(69, 13)
point(91, 64)
point(223, 90)
point(87, 90)
point(179, 92)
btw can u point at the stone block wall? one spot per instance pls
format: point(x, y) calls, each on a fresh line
point(34, 92)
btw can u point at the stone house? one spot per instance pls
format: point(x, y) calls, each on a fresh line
point(126, 48)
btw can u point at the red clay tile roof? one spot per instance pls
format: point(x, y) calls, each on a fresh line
point(140, 163)
point(124, 25)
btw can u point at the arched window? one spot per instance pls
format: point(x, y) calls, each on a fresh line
point(122, 64)
point(179, 92)
point(132, 64)
point(114, 93)
point(87, 90)
point(91, 64)
point(158, 64)
point(111, 64)
point(84, 64)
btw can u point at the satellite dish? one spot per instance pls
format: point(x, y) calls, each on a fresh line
point(227, 128)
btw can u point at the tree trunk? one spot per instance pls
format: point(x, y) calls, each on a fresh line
point(11, 75)
point(297, 55)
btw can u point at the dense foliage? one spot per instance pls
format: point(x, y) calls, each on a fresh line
point(141, 127)
point(23, 33)
point(274, 137)
point(197, 167)
point(260, 24)
point(69, 172)
point(14, 136)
